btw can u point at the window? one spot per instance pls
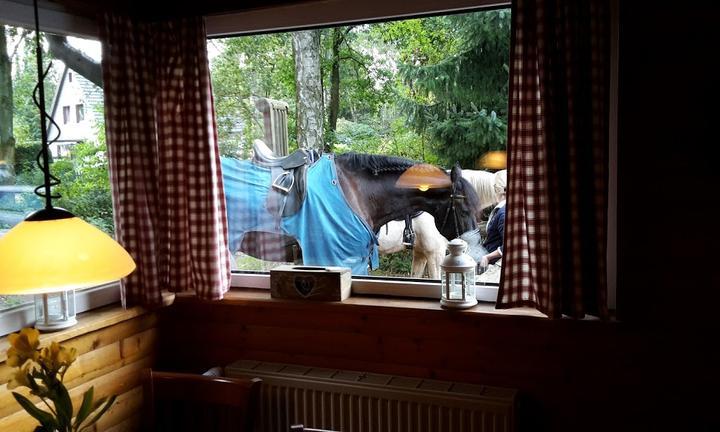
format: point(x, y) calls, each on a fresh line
point(431, 90)
point(85, 186)
point(70, 77)
point(79, 113)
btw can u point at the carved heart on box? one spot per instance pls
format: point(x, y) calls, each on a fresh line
point(304, 285)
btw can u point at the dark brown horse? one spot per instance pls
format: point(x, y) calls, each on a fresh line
point(368, 196)
point(368, 182)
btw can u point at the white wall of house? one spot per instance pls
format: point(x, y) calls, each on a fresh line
point(75, 111)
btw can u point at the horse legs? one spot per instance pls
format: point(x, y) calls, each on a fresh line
point(433, 263)
point(418, 263)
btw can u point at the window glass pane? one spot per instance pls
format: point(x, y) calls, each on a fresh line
point(78, 151)
point(79, 113)
point(430, 90)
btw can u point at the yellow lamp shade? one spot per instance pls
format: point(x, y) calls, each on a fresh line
point(494, 160)
point(423, 177)
point(43, 255)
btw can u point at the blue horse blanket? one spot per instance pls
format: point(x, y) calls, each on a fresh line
point(327, 229)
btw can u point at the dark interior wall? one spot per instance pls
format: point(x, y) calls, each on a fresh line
point(668, 239)
point(645, 373)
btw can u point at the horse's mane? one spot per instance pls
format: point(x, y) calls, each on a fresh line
point(375, 163)
point(483, 183)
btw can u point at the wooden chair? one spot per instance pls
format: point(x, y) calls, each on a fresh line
point(189, 402)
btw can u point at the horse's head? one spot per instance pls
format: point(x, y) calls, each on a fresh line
point(457, 212)
point(385, 188)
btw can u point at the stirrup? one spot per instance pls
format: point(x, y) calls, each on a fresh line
point(279, 180)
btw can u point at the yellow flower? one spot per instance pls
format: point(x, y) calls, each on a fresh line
point(67, 356)
point(56, 356)
point(21, 378)
point(23, 346)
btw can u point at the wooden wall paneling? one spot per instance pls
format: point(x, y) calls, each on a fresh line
point(540, 357)
point(110, 359)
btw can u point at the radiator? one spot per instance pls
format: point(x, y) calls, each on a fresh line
point(351, 401)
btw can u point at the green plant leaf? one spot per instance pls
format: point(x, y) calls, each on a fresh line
point(85, 407)
point(63, 405)
point(105, 407)
point(45, 418)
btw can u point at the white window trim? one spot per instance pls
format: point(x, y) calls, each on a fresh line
point(13, 319)
point(375, 286)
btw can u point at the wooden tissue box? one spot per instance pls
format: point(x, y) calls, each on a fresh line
point(310, 282)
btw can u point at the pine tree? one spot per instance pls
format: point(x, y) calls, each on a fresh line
point(460, 101)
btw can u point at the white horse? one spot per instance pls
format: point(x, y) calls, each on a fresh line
point(430, 245)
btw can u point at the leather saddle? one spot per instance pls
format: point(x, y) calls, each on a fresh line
point(288, 176)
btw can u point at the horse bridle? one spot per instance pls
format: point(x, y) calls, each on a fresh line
point(453, 196)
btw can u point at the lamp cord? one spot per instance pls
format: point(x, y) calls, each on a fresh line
point(43, 157)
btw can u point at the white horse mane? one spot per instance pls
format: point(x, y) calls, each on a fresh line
point(483, 183)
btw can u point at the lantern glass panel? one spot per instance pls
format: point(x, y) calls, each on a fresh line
point(55, 311)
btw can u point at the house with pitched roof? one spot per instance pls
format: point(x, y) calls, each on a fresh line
point(76, 111)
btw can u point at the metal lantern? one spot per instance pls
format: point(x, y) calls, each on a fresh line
point(457, 276)
point(55, 311)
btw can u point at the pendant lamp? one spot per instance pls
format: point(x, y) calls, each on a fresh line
point(53, 251)
point(423, 177)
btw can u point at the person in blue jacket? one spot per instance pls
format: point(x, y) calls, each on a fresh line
point(496, 223)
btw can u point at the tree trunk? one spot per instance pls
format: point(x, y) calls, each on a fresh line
point(335, 79)
point(308, 89)
point(7, 139)
point(74, 59)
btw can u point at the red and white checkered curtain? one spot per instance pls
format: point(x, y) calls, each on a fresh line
point(555, 244)
point(164, 162)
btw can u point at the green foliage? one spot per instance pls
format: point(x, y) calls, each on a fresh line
point(431, 89)
point(397, 264)
point(25, 156)
point(463, 136)
point(461, 100)
point(248, 68)
point(85, 186)
point(359, 137)
point(26, 116)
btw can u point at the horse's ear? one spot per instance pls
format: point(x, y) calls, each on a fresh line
point(455, 172)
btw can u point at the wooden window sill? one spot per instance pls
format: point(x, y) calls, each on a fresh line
point(247, 296)
point(88, 322)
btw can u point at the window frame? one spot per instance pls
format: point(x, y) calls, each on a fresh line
point(338, 12)
point(269, 20)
